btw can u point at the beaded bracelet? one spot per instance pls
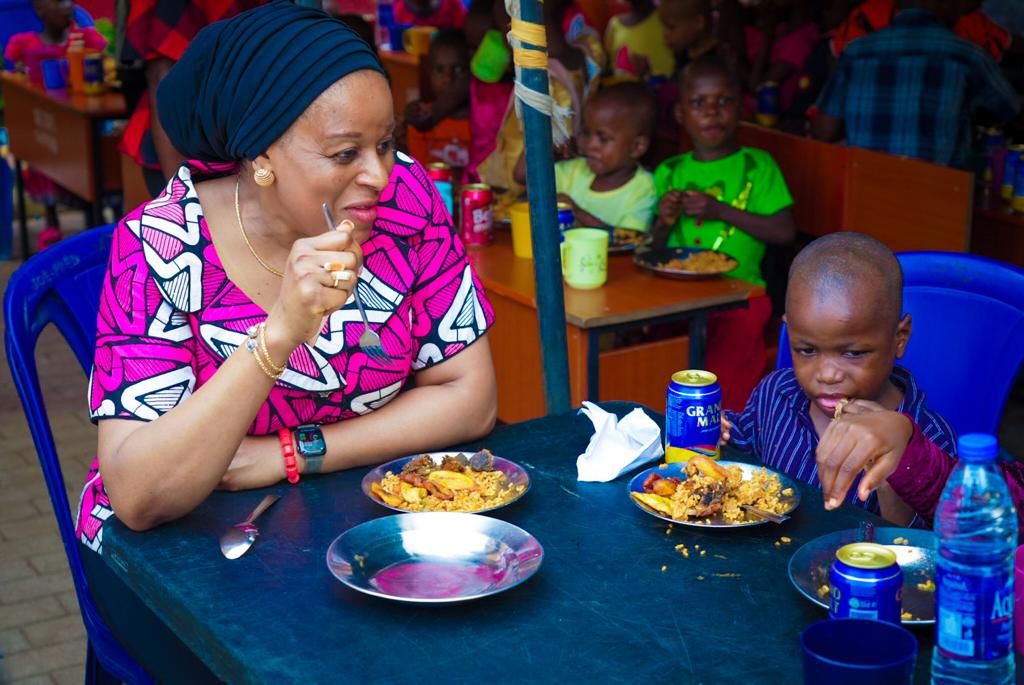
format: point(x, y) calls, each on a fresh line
point(291, 468)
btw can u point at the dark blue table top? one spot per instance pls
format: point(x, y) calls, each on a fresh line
point(600, 607)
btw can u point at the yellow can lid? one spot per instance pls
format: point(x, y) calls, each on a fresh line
point(694, 377)
point(866, 555)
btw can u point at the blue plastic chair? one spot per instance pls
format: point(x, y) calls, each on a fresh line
point(967, 345)
point(61, 285)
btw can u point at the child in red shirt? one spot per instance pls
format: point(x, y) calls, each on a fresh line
point(58, 24)
point(51, 43)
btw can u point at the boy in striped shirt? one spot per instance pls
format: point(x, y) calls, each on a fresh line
point(846, 331)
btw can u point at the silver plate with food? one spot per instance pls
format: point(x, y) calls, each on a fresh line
point(434, 558)
point(625, 240)
point(684, 263)
point(447, 482)
point(915, 553)
point(711, 504)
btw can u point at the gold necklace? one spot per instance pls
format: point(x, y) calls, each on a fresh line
point(241, 227)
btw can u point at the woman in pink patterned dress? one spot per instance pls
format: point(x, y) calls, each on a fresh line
point(288, 109)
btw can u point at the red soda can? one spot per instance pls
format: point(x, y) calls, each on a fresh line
point(439, 171)
point(476, 226)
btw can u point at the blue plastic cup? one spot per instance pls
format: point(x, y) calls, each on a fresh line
point(396, 33)
point(853, 651)
point(55, 73)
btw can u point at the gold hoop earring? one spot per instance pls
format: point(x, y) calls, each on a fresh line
point(264, 178)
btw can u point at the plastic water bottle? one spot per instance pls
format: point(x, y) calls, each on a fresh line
point(976, 528)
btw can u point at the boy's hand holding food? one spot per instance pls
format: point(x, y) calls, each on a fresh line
point(726, 427)
point(670, 207)
point(701, 205)
point(866, 437)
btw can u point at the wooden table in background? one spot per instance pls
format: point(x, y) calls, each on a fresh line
point(631, 298)
point(998, 233)
point(404, 70)
point(60, 134)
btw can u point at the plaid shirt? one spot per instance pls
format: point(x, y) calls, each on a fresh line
point(156, 29)
point(909, 89)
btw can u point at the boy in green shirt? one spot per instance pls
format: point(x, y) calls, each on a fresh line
point(729, 198)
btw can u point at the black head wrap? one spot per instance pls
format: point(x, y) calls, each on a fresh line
point(243, 81)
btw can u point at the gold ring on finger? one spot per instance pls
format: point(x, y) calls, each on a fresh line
point(341, 276)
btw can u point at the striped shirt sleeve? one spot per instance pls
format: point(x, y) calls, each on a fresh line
point(743, 434)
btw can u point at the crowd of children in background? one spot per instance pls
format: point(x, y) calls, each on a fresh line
point(681, 74)
point(672, 75)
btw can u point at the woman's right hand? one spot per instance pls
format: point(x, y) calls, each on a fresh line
point(308, 293)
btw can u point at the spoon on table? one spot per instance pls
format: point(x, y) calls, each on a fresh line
point(239, 537)
point(767, 515)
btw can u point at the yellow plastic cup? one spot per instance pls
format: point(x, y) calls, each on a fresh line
point(585, 258)
point(522, 245)
point(416, 39)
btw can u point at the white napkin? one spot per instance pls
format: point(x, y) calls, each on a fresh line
point(617, 445)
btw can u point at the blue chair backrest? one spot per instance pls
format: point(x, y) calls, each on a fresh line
point(61, 286)
point(967, 345)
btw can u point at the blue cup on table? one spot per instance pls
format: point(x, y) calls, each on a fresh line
point(55, 73)
point(395, 33)
point(853, 651)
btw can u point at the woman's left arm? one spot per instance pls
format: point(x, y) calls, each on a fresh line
point(451, 402)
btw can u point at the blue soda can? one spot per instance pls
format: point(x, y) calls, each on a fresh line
point(866, 583)
point(992, 138)
point(566, 219)
point(93, 75)
point(1010, 171)
point(768, 104)
point(693, 415)
point(1017, 201)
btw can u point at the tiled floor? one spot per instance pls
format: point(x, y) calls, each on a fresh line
point(41, 635)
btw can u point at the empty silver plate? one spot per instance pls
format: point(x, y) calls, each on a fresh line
point(915, 553)
point(434, 558)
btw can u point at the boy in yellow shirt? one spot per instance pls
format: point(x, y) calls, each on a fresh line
point(605, 184)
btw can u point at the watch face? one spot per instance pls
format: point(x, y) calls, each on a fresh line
point(310, 440)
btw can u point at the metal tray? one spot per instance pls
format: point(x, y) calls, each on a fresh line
point(434, 558)
point(634, 239)
point(676, 469)
point(809, 567)
point(514, 473)
point(652, 259)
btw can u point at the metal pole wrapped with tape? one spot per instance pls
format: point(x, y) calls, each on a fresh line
point(531, 91)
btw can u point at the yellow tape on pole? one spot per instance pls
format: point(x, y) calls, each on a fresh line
point(528, 32)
